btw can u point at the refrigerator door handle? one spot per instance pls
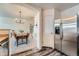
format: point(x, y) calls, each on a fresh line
point(61, 31)
point(61, 36)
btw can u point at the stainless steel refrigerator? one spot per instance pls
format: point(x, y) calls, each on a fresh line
point(66, 35)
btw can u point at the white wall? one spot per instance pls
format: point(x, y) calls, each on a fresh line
point(10, 23)
point(37, 29)
point(48, 32)
point(70, 12)
point(57, 14)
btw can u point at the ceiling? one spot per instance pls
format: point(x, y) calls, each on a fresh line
point(59, 6)
point(12, 10)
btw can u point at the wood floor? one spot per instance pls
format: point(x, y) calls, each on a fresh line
point(45, 51)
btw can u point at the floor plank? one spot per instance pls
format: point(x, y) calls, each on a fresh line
point(45, 51)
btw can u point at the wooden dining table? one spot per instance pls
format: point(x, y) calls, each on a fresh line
point(22, 37)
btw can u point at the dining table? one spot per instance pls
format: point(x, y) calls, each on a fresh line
point(22, 36)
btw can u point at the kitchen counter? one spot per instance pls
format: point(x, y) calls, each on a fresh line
point(3, 38)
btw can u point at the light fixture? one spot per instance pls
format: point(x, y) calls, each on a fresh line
point(20, 20)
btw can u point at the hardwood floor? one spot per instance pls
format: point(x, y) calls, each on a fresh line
point(45, 51)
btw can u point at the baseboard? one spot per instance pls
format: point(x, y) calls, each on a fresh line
point(47, 47)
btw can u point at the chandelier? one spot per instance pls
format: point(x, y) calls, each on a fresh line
point(20, 20)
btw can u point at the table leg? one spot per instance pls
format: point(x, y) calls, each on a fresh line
point(26, 40)
point(17, 42)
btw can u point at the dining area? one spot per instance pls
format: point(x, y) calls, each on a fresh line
point(13, 42)
point(16, 37)
point(20, 42)
point(19, 29)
